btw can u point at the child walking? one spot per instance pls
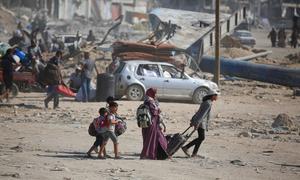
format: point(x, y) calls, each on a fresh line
point(99, 138)
point(108, 131)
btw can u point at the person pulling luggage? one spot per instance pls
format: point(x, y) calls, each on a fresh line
point(200, 122)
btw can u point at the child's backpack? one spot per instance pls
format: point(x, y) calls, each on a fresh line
point(92, 130)
point(143, 116)
point(120, 127)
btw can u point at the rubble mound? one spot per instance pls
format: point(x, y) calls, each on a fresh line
point(235, 52)
point(230, 42)
point(283, 120)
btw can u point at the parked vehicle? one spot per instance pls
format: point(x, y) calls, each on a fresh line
point(245, 37)
point(71, 41)
point(133, 78)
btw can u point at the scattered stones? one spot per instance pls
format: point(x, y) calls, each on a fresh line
point(14, 175)
point(56, 168)
point(238, 162)
point(17, 148)
point(258, 131)
point(283, 121)
point(245, 134)
point(277, 100)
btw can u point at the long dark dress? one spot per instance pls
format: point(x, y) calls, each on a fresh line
point(154, 141)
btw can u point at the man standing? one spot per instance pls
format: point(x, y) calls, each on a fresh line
point(7, 65)
point(273, 36)
point(55, 79)
point(294, 38)
point(281, 38)
point(88, 66)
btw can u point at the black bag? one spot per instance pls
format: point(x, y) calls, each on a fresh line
point(177, 141)
point(92, 131)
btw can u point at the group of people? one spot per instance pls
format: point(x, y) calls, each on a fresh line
point(280, 38)
point(81, 79)
point(105, 130)
point(155, 143)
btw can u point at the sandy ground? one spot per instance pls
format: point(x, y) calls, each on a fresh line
point(51, 144)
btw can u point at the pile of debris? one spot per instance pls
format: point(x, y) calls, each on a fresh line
point(283, 121)
point(230, 42)
point(294, 58)
point(235, 52)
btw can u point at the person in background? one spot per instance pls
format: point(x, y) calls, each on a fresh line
point(75, 79)
point(154, 141)
point(57, 58)
point(88, 66)
point(273, 36)
point(91, 36)
point(294, 38)
point(281, 38)
point(200, 123)
point(35, 55)
point(7, 65)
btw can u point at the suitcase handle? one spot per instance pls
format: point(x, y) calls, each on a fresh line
point(189, 135)
point(185, 130)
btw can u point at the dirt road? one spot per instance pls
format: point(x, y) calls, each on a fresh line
point(241, 144)
point(49, 144)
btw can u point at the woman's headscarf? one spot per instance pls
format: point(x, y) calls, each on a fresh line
point(151, 92)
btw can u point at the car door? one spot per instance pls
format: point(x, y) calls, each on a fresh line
point(174, 85)
point(150, 76)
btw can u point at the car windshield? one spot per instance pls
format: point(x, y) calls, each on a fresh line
point(244, 34)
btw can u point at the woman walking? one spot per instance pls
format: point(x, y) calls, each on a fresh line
point(154, 141)
point(200, 123)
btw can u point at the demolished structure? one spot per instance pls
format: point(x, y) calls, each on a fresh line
point(177, 32)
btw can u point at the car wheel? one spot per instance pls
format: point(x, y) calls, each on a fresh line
point(135, 93)
point(14, 91)
point(199, 94)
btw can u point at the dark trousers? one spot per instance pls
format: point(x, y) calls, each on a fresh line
point(273, 43)
point(52, 94)
point(99, 140)
point(197, 142)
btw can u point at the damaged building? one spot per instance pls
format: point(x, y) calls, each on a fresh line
point(134, 11)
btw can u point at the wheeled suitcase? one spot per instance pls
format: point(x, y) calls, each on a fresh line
point(177, 141)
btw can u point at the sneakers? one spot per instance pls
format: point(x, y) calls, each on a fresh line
point(185, 150)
